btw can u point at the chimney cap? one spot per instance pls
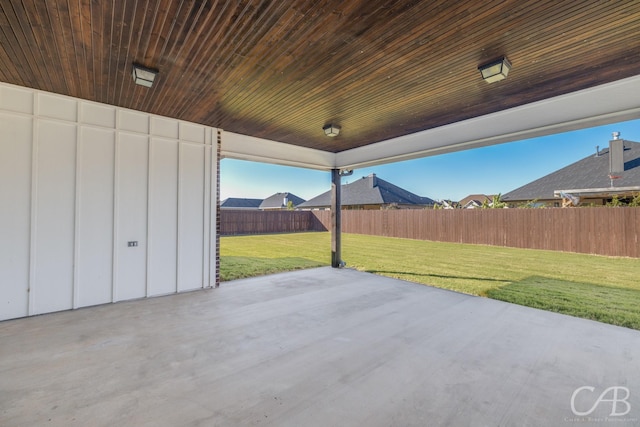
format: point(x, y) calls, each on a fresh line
point(616, 135)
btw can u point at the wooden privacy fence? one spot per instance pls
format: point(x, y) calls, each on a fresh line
point(603, 231)
point(233, 222)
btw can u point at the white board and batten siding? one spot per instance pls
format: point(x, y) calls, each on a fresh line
point(79, 180)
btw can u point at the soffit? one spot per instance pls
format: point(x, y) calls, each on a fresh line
point(279, 71)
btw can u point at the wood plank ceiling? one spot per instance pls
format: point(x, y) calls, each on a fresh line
point(282, 69)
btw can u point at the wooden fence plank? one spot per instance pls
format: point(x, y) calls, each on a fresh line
point(601, 231)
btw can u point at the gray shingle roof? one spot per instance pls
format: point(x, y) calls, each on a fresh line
point(277, 201)
point(370, 190)
point(590, 172)
point(237, 203)
point(477, 198)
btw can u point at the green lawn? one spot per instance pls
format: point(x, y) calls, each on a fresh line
point(594, 287)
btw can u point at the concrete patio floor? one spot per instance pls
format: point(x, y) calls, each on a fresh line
point(321, 347)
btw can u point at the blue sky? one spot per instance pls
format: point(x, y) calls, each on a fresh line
point(488, 170)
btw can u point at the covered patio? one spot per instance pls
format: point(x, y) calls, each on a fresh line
point(321, 347)
point(114, 117)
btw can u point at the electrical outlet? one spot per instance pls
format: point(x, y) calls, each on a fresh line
point(132, 243)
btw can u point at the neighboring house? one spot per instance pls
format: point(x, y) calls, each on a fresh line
point(280, 201)
point(370, 192)
point(236, 203)
point(593, 180)
point(474, 201)
point(447, 204)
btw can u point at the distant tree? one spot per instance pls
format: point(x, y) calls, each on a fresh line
point(635, 202)
point(531, 204)
point(496, 203)
point(615, 202)
point(290, 206)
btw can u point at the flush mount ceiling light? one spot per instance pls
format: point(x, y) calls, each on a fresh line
point(496, 70)
point(331, 130)
point(144, 76)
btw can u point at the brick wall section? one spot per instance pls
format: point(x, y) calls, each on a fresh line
point(602, 231)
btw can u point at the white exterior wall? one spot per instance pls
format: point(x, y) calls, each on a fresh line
point(78, 181)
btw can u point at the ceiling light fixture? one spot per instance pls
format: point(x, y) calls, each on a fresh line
point(331, 130)
point(496, 70)
point(144, 76)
